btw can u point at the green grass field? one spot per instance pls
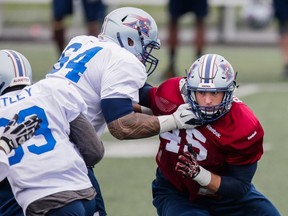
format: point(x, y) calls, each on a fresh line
point(126, 182)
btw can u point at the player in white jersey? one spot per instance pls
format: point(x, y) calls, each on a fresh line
point(109, 71)
point(48, 173)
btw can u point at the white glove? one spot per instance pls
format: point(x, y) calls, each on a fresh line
point(16, 134)
point(182, 118)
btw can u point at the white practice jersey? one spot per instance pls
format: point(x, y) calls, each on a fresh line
point(4, 165)
point(100, 70)
point(47, 163)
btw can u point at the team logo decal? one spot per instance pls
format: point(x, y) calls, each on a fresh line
point(227, 71)
point(143, 23)
point(191, 71)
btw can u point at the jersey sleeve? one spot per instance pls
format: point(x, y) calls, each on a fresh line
point(241, 135)
point(123, 77)
point(166, 98)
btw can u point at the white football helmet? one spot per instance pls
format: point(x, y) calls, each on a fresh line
point(211, 73)
point(15, 70)
point(257, 13)
point(136, 31)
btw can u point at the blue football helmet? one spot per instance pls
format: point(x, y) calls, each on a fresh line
point(136, 31)
point(15, 70)
point(211, 73)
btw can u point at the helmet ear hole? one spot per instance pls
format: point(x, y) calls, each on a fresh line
point(130, 42)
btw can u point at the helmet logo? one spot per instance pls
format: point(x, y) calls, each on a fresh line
point(192, 70)
point(143, 23)
point(227, 71)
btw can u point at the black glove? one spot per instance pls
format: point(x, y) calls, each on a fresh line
point(16, 134)
point(187, 164)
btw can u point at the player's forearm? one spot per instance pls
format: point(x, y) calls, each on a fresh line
point(227, 186)
point(238, 181)
point(214, 183)
point(140, 125)
point(203, 177)
point(134, 126)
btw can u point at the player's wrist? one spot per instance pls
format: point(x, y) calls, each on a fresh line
point(204, 177)
point(146, 110)
point(167, 123)
point(4, 146)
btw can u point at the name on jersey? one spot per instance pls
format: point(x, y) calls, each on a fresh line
point(4, 101)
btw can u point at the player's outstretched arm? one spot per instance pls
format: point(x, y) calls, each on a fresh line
point(15, 134)
point(139, 125)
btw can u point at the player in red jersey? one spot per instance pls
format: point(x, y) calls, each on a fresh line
point(213, 176)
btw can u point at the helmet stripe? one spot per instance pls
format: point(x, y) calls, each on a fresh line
point(203, 69)
point(17, 62)
point(213, 67)
point(207, 68)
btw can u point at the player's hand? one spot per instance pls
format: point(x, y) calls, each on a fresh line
point(189, 168)
point(16, 134)
point(187, 164)
point(185, 118)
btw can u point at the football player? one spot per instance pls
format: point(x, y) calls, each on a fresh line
point(47, 173)
point(108, 72)
point(208, 170)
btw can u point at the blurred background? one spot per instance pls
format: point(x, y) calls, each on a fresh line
point(29, 21)
point(252, 48)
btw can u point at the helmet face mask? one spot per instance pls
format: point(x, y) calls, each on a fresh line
point(136, 31)
point(15, 70)
point(150, 61)
point(211, 73)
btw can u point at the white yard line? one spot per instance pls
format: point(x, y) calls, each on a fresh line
point(148, 147)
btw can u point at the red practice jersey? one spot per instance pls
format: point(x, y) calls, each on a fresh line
point(236, 138)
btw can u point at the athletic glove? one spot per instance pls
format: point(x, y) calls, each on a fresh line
point(16, 134)
point(182, 118)
point(189, 168)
